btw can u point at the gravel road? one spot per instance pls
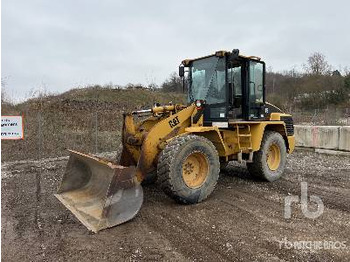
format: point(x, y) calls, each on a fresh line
point(243, 220)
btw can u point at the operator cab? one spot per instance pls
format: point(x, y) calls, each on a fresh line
point(230, 86)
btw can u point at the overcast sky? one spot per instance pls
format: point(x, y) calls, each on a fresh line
point(61, 44)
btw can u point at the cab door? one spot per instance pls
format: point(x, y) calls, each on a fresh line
point(235, 86)
point(215, 109)
point(256, 89)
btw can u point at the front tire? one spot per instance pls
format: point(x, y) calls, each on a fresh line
point(188, 169)
point(269, 162)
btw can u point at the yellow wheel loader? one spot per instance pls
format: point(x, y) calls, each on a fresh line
point(184, 146)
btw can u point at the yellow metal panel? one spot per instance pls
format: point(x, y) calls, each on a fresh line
point(161, 109)
point(198, 129)
point(291, 142)
point(129, 132)
point(277, 116)
point(226, 140)
point(157, 135)
point(213, 134)
point(231, 141)
point(258, 129)
point(257, 132)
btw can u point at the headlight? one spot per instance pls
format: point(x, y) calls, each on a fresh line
point(200, 104)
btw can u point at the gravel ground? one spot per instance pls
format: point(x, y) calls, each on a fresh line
point(241, 221)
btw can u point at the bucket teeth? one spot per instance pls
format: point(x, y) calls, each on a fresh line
point(99, 193)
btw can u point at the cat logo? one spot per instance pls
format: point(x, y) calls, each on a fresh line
point(174, 122)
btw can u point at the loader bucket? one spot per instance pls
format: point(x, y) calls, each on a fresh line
point(99, 193)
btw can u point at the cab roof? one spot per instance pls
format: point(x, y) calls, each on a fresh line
point(220, 53)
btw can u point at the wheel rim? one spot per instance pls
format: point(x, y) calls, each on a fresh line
point(195, 169)
point(273, 157)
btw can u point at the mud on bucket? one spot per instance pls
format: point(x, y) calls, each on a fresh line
point(99, 193)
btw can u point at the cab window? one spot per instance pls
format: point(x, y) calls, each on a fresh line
point(256, 90)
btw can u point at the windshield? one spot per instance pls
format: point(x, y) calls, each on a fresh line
point(207, 80)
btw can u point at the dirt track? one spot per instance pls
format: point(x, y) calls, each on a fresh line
point(242, 220)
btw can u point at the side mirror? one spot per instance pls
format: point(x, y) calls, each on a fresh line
point(181, 71)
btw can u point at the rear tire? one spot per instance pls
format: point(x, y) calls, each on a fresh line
point(188, 169)
point(269, 162)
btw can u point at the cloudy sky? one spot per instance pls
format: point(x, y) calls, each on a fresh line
point(61, 44)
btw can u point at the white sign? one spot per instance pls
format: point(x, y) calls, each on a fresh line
point(11, 127)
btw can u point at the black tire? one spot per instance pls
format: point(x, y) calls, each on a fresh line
point(170, 168)
point(260, 168)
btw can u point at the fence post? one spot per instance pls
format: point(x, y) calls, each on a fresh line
point(96, 132)
point(39, 135)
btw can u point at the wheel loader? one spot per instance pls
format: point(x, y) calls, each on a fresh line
point(184, 147)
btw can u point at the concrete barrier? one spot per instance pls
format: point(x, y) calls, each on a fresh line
point(327, 137)
point(303, 136)
point(344, 138)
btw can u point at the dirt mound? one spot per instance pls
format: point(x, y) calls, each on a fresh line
point(87, 119)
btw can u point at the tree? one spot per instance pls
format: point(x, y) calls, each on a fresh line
point(172, 84)
point(4, 97)
point(347, 83)
point(317, 64)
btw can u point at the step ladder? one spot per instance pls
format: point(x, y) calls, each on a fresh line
point(244, 142)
